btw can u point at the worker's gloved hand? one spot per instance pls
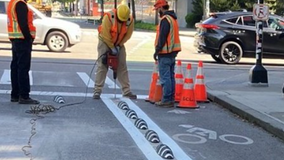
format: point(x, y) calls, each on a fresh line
point(114, 51)
point(155, 56)
point(117, 48)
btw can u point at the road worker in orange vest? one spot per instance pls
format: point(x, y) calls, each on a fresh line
point(21, 33)
point(116, 29)
point(167, 46)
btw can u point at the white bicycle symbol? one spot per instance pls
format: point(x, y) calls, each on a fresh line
point(198, 135)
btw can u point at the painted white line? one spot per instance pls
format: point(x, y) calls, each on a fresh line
point(69, 94)
point(179, 154)
point(5, 78)
point(139, 45)
point(86, 79)
point(110, 83)
point(136, 135)
point(31, 78)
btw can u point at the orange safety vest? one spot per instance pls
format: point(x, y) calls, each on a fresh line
point(14, 30)
point(116, 35)
point(173, 42)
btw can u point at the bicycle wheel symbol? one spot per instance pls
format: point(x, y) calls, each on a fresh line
point(189, 138)
point(196, 139)
point(236, 139)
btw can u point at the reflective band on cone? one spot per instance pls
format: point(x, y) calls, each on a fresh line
point(199, 86)
point(178, 81)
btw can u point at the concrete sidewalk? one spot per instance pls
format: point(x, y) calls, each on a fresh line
point(190, 32)
point(263, 106)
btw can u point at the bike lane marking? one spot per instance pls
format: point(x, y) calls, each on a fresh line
point(135, 134)
point(72, 94)
point(178, 152)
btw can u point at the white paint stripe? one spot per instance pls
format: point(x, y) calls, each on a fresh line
point(136, 135)
point(74, 94)
point(5, 79)
point(110, 83)
point(86, 79)
point(179, 154)
point(139, 45)
point(31, 78)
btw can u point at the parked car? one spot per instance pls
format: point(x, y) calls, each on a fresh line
point(55, 33)
point(229, 36)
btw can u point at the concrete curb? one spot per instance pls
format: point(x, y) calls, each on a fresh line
point(263, 120)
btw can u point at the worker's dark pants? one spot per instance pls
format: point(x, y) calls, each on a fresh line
point(20, 67)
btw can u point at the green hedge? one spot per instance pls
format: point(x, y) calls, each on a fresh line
point(191, 19)
point(145, 26)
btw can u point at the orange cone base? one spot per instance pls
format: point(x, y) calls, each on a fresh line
point(158, 94)
point(188, 101)
point(188, 107)
point(200, 93)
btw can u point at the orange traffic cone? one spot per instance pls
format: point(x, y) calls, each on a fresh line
point(188, 73)
point(187, 97)
point(199, 86)
point(179, 81)
point(158, 93)
point(153, 82)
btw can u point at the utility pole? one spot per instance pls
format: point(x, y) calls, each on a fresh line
point(133, 10)
point(115, 4)
point(258, 74)
point(206, 9)
point(102, 9)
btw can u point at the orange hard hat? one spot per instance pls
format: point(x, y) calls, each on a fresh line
point(160, 3)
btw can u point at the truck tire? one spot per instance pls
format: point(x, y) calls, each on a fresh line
point(56, 41)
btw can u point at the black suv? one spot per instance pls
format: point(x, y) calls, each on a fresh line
point(229, 36)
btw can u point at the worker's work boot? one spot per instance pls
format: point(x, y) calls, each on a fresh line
point(165, 104)
point(27, 101)
point(130, 95)
point(97, 95)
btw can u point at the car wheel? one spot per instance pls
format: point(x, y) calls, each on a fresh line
point(56, 41)
point(216, 58)
point(231, 52)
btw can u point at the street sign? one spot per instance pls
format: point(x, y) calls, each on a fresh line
point(260, 12)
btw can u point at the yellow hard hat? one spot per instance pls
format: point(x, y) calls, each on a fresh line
point(123, 12)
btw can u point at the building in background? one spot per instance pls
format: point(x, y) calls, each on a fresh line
point(144, 9)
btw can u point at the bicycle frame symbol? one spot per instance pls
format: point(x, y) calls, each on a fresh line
point(198, 135)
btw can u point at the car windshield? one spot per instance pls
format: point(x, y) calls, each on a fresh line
point(37, 12)
point(276, 23)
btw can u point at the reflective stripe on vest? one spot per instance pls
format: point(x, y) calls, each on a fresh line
point(14, 30)
point(173, 41)
point(117, 36)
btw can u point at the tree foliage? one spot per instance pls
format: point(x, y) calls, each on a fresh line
point(275, 6)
